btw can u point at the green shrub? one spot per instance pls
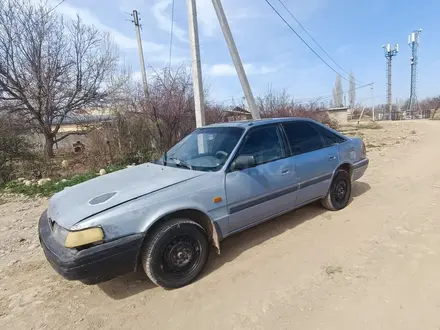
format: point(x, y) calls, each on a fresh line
point(52, 187)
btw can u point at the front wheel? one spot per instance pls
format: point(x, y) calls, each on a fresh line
point(176, 253)
point(339, 193)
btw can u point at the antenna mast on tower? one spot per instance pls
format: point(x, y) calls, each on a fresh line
point(413, 42)
point(389, 54)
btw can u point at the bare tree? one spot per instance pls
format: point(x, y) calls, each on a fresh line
point(338, 93)
point(215, 113)
point(274, 101)
point(51, 69)
point(169, 110)
point(352, 91)
point(280, 104)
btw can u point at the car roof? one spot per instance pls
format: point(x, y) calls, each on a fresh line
point(258, 122)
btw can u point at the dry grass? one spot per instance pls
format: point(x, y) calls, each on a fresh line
point(370, 125)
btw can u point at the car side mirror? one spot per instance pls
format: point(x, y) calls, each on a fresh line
point(243, 162)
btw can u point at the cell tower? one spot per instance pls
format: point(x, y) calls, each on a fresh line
point(389, 54)
point(413, 42)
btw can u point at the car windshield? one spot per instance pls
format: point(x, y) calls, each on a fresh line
point(205, 149)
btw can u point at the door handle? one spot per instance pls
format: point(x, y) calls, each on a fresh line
point(331, 157)
point(285, 171)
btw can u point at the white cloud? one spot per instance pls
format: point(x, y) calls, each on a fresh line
point(227, 70)
point(137, 76)
point(120, 39)
point(234, 10)
point(249, 13)
point(207, 17)
point(164, 20)
point(343, 49)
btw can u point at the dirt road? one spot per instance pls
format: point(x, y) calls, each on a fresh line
point(374, 265)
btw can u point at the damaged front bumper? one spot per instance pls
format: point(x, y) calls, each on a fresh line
point(94, 264)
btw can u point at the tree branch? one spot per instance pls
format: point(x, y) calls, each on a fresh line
point(71, 133)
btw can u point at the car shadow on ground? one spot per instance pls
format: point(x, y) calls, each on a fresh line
point(127, 285)
point(235, 245)
point(232, 247)
point(358, 189)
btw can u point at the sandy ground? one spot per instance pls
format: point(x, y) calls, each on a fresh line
point(373, 265)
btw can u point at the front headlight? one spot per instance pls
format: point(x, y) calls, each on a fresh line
point(84, 237)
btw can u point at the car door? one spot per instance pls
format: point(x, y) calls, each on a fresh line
point(315, 159)
point(266, 189)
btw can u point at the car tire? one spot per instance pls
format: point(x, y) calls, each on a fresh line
point(175, 253)
point(339, 194)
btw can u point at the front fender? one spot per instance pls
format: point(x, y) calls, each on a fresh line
point(210, 201)
point(170, 209)
point(138, 215)
point(194, 213)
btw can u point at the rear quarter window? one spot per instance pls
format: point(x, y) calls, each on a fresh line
point(329, 137)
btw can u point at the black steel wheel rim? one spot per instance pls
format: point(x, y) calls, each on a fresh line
point(181, 256)
point(340, 190)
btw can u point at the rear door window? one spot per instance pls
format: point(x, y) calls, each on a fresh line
point(303, 137)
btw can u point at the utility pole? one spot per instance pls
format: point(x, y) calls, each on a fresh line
point(372, 98)
point(362, 113)
point(389, 54)
point(236, 59)
point(413, 42)
point(141, 52)
point(196, 64)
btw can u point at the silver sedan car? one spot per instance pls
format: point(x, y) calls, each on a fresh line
point(217, 181)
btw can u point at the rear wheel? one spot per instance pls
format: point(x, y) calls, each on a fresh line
point(176, 253)
point(339, 193)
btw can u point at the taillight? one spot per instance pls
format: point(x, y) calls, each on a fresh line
point(364, 151)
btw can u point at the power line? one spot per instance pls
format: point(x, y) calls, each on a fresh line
point(304, 99)
point(320, 98)
point(314, 40)
point(171, 32)
point(305, 42)
point(55, 7)
point(345, 91)
point(49, 11)
point(232, 100)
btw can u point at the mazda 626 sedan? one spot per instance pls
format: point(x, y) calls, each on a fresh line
point(217, 181)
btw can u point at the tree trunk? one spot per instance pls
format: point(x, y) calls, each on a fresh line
point(48, 147)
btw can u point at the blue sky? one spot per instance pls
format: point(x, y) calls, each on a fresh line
point(351, 31)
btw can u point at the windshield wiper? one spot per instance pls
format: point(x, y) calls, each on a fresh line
point(180, 162)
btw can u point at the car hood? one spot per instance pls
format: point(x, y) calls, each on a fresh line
point(81, 201)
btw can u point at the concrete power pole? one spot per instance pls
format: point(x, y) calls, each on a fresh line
point(389, 54)
point(236, 59)
point(141, 52)
point(196, 64)
point(372, 99)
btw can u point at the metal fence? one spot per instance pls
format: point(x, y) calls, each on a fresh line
point(400, 115)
